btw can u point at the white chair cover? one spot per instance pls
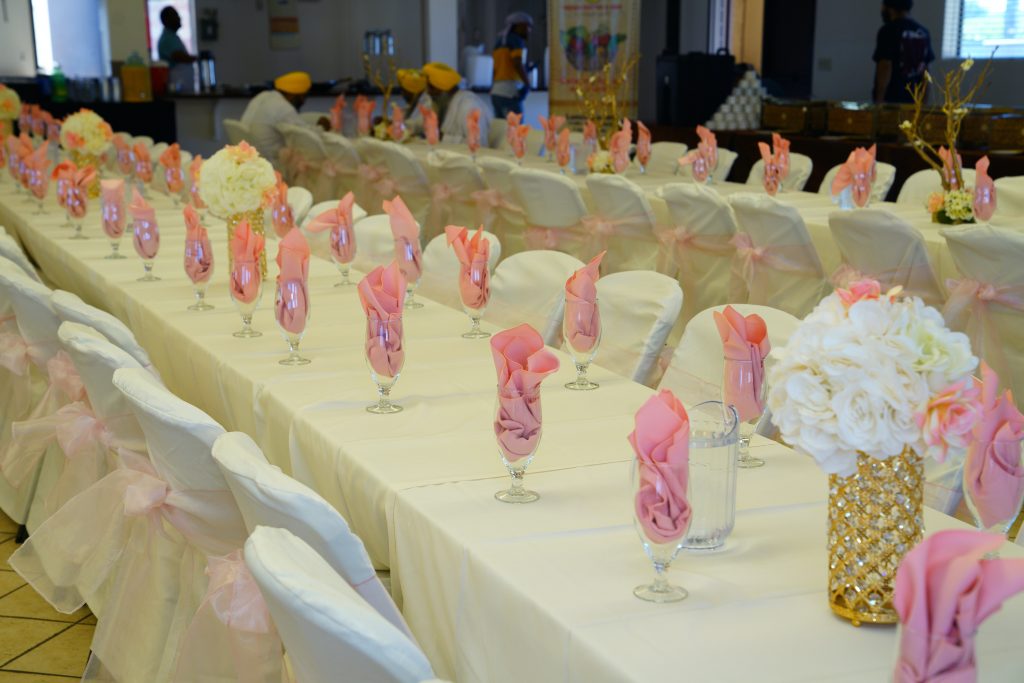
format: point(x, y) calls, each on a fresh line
point(987, 302)
point(554, 211)
point(726, 159)
point(884, 178)
point(499, 210)
point(455, 181)
point(376, 183)
point(699, 243)
point(876, 244)
point(409, 179)
point(775, 256)
point(375, 243)
point(800, 168)
point(302, 155)
point(236, 131)
point(12, 251)
point(319, 242)
point(530, 287)
point(665, 157)
point(638, 311)
point(496, 134)
point(326, 627)
point(1010, 201)
point(621, 222)
point(440, 280)
point(268, 497)
point(72, 309)
point(919, 186)
point(340, 171)
point(300, 200)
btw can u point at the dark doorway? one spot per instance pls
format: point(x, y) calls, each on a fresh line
point(787, 59)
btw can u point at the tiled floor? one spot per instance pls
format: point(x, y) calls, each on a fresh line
point(37, 643)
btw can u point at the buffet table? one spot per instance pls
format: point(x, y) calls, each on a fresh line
point(496, 592)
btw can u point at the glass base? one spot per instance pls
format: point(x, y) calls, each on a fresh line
point(384, 408)
point(660, 593)
point(476, 334)
point(748, 462)
point(115, 256)
point(294, 359)
point(148, 277)
point(247, 333)
point(200, 306)
point(582, 385)
point(78, 236)
point(517, 495)
point(344, 283)
point(413, 304)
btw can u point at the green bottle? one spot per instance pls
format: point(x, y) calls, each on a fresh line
point(60, 85)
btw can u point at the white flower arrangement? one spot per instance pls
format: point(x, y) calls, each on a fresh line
point(601, 162)
point(236, 180)
point(10, 103)
point(872, 373)
point(954, 206)
point(86, 132)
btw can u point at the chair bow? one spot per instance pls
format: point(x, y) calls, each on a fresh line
point(15, 353)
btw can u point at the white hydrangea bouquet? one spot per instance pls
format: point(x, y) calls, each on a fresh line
point(875, 374)
point(236, 181)
point(86, 134)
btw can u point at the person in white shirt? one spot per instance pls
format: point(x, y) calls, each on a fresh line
point(453, 104)
point(280, 105)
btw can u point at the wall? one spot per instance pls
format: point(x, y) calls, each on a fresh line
point(17, 51)
point(126, 26)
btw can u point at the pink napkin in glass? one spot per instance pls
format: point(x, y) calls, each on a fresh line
point(945, 589)
point(146, 233)
point(512, 120)
point(700, 160)
point(744, 339)
point(364, 114)
point(112, 203)
point(618, 147)
point(337, 111)
point(397, 128)
point(551, 125)
point(194, 168)
point(246, 247)
point(643, 144)
point(406, 232)
point(170, 159)
point(339, 221)
point(63, 173)
point(590, 133)
point(710, 142)
point(522, 362)
point(772, 173)
point(582, 315)
point(382, 295)
point(661, 441)
point(431, 129)
point(857, 174)
point(474, 273)
point(143, 164)
point(948, 171)
point(292, 305)
point(519, 141)
point(198, 253)
point(281, 211)
point(473, 130)
point(780, 149)
point(78, 191)
point(984, 191)
point(39, 164)
point(993, 473)
point(125, 163)
point(562, 155)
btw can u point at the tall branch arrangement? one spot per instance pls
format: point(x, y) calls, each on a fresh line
point(954, 107)
point(376, 76)
point(599, 96)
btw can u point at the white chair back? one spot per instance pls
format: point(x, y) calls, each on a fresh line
point(638, 308)
point(885, 176)
point(375, 243)
point(775, 255)
point(1010, 201)
point(37, 320)
point(70, 308)
point(12, 251)
point(665, 157)
point(726, 160)
point(268, 497)
point(324, 624)
point(307, 155)
point(342, 154)
point(496, 134)
point(800, 168)
point(530, 287)
point(554, 211)
point(505, 219)
point(876, 244)
point(300, 200)
point(919, 186)
point(236, 131)
point(410, 180)
point(454, 180)
point(622, 222)
point(441, 268)
point(145, 140)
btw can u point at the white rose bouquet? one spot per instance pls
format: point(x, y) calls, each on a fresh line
point(873, 373)
point(236, 180)
point(85, 132)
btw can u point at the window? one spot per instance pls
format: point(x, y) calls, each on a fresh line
point(974, 28)
point(186, 32)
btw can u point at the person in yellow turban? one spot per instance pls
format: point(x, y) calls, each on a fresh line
point(280, 105)
point(453, 104)
point(413, 85)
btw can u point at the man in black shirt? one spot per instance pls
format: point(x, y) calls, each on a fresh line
point(903, 52)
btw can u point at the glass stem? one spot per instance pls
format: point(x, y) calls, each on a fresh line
point(147, 265)
point(660, 584)
point(517, 481)
point(114, 247)
point(247, 322)
point(344, 274)
point(200, 296)
point(581, 373)
point(384, 394)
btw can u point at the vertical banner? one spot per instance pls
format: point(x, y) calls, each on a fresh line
point(585, 36)
point(284, 24)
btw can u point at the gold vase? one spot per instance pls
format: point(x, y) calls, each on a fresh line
point(82, 159)
point(874, 519)
point(255, 219)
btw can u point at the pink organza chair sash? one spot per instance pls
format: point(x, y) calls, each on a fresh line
point(16, 354)
point(968, 308)
point(378, 179)
point(490, 203)
point(294, 162)
point(752, 259)
point(442, 198)
point(684, 247)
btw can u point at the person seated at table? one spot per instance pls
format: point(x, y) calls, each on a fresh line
point(413, 85)
point(280, 105)
point(453, 104)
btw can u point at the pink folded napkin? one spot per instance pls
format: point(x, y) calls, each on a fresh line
point(780, 148)
point(590, 133)
point(339, 221)
point(582, 315)
point(198, 253)
point(512, 120)
point(948, 170)
point(661, 441)
point(945, 589)
point(194, 168)
point(562, 155)
point(280, 210)
point(38, 122)
point(473, 130)
point(246, 247)
point(170, 159)
point(406, 232)
point(78, 191)
point(431, 129)
point(745, 346)
point(125, 163)
point(143, 164)
point(39, 165)
point(145, 232)
point(112, 202)
point(292, 304)
point(984, 191)
point(522, 362)
point(551, 125)
point(337, 111)
point(519, 141)
point(643, 144)
point(618, 146)
point(772, 173)
point(63, 173)
point(700, 160)
point(364, 114)
point(382, 295)
point(397, 128)
point(993, 473)
point(474, 273)
point(858, 174)
point(710, 142)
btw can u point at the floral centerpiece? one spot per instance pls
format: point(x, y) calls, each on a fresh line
point(869, 384)
point(235, 184)
point(954, 205)
point(87, 137)
point(10, 107)
point(600, 162)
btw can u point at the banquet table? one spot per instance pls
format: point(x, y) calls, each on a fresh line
point(495, 592)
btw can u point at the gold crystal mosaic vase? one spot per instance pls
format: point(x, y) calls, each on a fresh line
point(874, 519)
point(255, 219)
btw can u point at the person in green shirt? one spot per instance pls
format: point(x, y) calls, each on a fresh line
point(170, 48)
